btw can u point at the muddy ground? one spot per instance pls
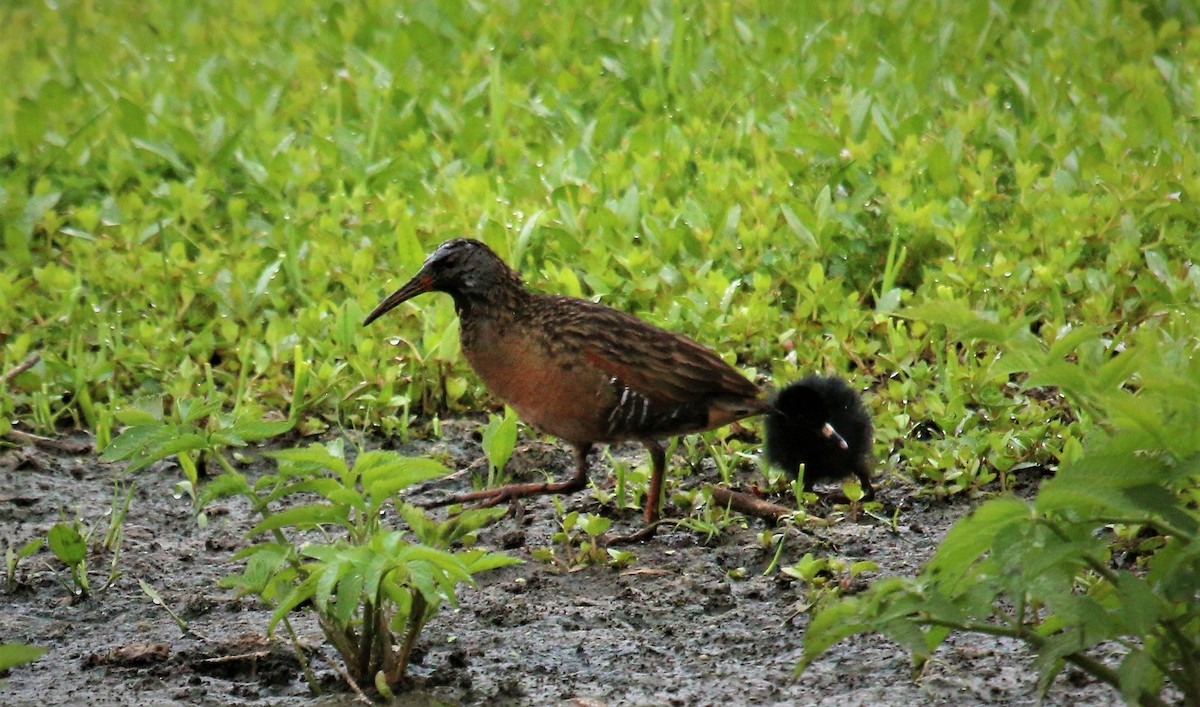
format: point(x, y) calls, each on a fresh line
point(678, 627)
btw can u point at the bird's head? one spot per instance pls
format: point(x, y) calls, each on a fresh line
point(465, 269)
point(806, 407)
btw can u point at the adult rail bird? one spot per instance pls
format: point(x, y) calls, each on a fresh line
point(589, 374)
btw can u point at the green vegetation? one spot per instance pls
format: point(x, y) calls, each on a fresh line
point(581, 538)
point(191, 193)
point(14, 654)
point(1107, 553)
point(68, 545)
point(984, 213)
point(13, 557)
point(372, 589)
point(372, 586)
point(149, 590)
point(499, 440)
point(824, 578)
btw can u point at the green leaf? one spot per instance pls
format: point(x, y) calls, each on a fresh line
point(422, 526)
point(67, 544)
point(499, 439)
point(145, 444)
point(1122, 483)
point(262, 429)
point(964, 322)
point(29, 125)
point(1062, 374)
point(349, 597)
point(303, 373)
point(315, 454)
point(347, 497)
point(385, 478)
point(150, 591)
point(1069, 341)
point(303, 517)
point(36, 208)
point(30, 547)
point(14, 654)
point(1139, 608)
point(264, 563)
point(594, 525)
point(196, 410)
point(325, 487)
point(452, 530)
point(168, 448)
point(802, 233)
point(257, 173)
point(1049, 660)
point(229, 483)
point(857, 568)
point(444, 561)
point(477, 561)
point(136, 417)
point(830, 625)
point(732, 218)
point(297, 596)
point(1138, 676)
point(136, 438)
point(971, 537)
point(328, 573)
point(281, 549)
point(379, 563)
point(163, 150)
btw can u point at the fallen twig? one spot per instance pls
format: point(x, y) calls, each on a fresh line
point(239, 657)
point(353, 685)
point(30, 361)
point(750, 505)
point(66, 446)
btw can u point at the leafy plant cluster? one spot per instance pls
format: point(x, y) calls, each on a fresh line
point(373, 589)
point(322, 543)
point(581, 541)
point(775, 183)
point(1106, 557)
point(823, 579)
point(70, 542)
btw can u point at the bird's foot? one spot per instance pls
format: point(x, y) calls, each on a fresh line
point(494, 497)
point(839, 498)
point(486, 499)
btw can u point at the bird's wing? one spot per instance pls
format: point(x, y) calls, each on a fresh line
point(663, 366)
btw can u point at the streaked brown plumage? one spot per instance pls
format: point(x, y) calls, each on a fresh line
point(581, 371)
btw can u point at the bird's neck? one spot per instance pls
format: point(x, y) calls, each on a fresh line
point(499, 297)
point(489, 317)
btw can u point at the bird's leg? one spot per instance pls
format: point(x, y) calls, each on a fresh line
point(658, 461)
point(864, 480)
point(492, 497)
point(658, 466)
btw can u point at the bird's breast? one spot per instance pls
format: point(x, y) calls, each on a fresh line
point(555, 392)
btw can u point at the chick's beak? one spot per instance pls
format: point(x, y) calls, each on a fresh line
point(829, 433)
point(421, 282)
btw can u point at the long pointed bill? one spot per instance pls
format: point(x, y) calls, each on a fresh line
point(829, 433)
point(420, 283)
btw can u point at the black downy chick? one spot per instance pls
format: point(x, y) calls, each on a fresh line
point(795, 437)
